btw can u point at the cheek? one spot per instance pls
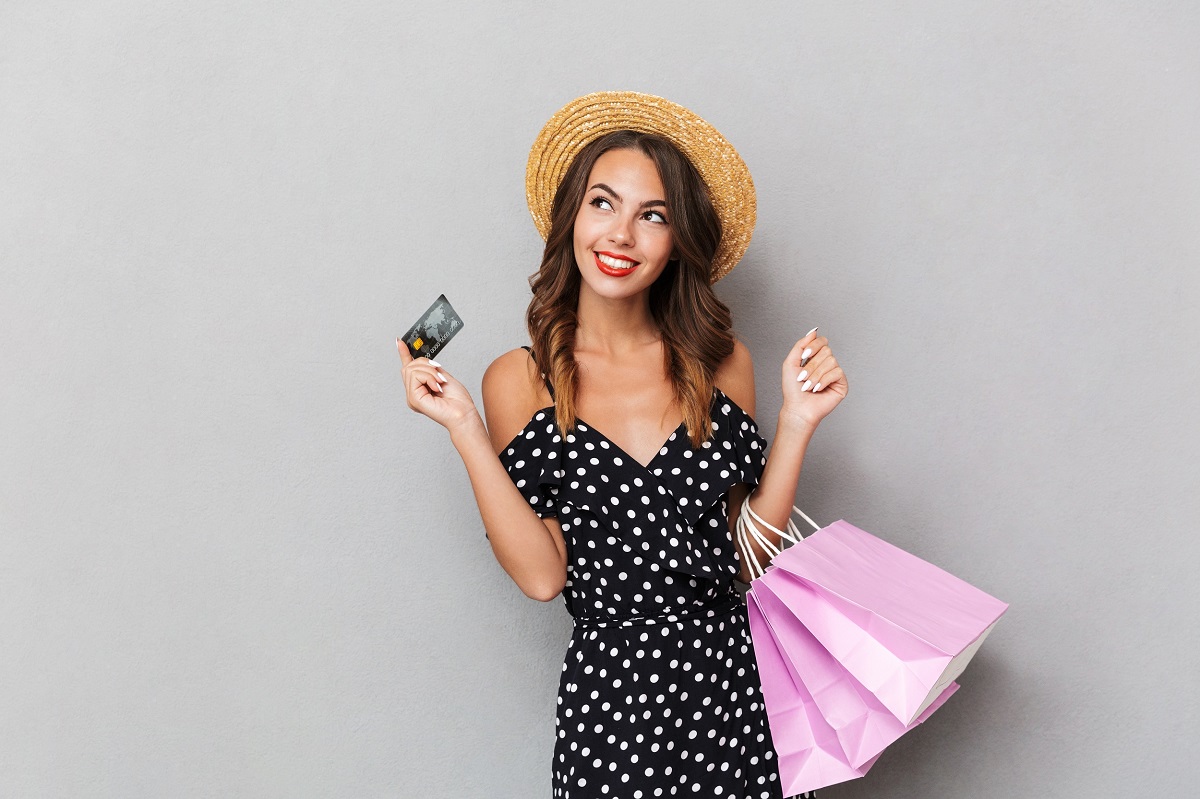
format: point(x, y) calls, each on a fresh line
point(579, 235)
point(578, 245)
point(666, 247)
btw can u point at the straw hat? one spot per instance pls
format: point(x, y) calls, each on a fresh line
point(589, 117)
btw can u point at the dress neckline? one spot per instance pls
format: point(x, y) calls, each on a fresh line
point(658, 453)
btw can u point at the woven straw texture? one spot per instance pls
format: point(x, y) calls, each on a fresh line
point(591, 116)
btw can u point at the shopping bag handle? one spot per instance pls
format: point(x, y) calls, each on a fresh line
point(746, 528)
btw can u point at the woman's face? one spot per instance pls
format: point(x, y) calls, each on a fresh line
point(622, 230)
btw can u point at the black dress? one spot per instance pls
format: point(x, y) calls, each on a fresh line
point(659, 694)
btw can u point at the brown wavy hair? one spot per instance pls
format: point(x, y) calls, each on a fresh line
point(696, 327)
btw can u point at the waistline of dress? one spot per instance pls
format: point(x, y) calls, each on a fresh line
point(720, 606)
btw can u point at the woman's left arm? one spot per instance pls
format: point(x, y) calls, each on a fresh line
point(813, 385)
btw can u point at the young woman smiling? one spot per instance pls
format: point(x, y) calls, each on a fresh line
point(619, 447)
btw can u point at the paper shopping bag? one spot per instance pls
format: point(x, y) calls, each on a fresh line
point(810, 756)
point(863, 726)
point(902, 627)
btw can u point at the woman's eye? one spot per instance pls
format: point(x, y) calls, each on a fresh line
point(601, 203)
point(655, 216)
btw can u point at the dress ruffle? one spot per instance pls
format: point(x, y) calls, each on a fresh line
point(533, 460)
point(741, 456)
point(681, 520)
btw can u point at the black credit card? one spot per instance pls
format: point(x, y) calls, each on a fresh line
point(436, 327)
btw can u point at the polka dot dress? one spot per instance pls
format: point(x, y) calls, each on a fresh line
point(659, 694)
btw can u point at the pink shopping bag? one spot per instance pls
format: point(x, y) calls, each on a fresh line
point(902, 627)
point(810, 754)
point(863, 726)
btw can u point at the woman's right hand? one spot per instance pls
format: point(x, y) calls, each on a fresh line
point(433, 392)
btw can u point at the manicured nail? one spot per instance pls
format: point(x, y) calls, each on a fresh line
point(806, 354)
point(807, 385)
point(803, 374)
point(434, 363)
point(809, 333)
point(441, 377)
point(816, 388)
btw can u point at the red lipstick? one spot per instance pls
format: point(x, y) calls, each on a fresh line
point(611, 271)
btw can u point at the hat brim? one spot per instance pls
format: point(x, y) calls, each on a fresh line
point(589, 117)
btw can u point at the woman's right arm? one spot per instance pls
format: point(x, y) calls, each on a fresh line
point(530, 549)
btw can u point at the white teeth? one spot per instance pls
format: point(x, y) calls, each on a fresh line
point(615, 263)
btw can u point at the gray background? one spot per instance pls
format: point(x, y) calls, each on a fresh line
point(232, 563)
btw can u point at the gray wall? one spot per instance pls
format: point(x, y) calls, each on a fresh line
point(232, 563)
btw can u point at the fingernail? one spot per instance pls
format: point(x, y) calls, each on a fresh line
point(803, 374)
point(435, 363)
point(807, 385)
point(804, 356)
point(809, 333)
point(816, 388)
point(441, 377)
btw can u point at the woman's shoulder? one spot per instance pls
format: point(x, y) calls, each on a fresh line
point(735, 377)
point(513, 392)
point(509, 366)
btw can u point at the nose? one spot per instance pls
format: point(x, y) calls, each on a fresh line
point(621, 231)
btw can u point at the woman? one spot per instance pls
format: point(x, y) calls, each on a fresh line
point(659, 693)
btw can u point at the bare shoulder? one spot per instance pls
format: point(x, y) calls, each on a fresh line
point(512, 393)
point(735, 377)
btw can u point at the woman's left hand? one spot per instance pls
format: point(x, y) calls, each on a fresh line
point(813, 381)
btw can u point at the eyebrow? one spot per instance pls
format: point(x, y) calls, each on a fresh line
point(617, 197)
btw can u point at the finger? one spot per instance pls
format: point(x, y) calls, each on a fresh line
point(793, 356)
point(814, 362)
point(419, 374)
point(811, 360)
point(435, 373)
point(804, 349)
point(818, 365)
point(434, 384)
point(792, 361)
point(416, 393)
point(830, 378)
point(424, 363)
point(812, 349)
point(405, 356)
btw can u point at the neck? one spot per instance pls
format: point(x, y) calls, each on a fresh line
point(614, 325)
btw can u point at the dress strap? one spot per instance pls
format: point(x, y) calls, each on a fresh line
point(549, 385)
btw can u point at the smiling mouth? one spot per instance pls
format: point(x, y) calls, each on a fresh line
point(614, 265)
